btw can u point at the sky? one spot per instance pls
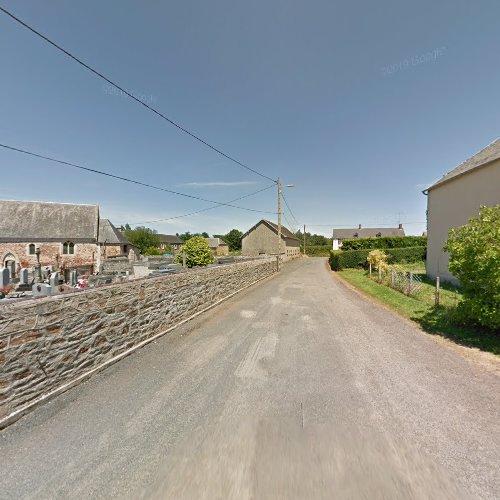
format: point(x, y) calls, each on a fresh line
point(360, 105)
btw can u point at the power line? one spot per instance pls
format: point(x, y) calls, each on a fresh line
point(289, 209)
point(202, 210)
point(132, 181)
point(105, 78)
point(353, 225)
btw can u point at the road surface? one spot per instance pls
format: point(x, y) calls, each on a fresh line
point(295, 388)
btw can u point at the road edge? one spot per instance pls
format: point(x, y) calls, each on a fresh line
point(472, 354)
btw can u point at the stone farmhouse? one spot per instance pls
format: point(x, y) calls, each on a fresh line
point(457, 197)
point(113, 243)
point(218, 246)
point(339, 235)
point(262, 239)
point(68, 236)
point(170, 240)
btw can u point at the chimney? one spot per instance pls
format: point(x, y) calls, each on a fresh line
point(400, 226)
point(359, 227)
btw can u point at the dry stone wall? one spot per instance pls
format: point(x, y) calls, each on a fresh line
point(46, 344)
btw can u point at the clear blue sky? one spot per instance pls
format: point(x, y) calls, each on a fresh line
point(338, 98)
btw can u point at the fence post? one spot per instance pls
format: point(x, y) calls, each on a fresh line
point(370, 271)
point(379, 273)
point(183, 259)
point(436, 296)
point(393, 278)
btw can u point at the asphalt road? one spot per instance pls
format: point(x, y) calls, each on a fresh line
point(295, 388)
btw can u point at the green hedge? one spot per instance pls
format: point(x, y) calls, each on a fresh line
point(345, 259)
point(384, 242)
point(318, 250)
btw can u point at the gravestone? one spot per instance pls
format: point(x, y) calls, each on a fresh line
point(23, 276)
point(4, 277)
point(73, 278)
point(41, 290)
point(54, 279)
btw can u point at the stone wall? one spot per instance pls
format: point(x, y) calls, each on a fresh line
point(49, 344)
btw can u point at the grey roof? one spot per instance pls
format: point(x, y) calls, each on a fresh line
point(170, 238)
point(26, 221)
point(109, 235)
point(215, 242)
point(487, 155)
point(368, 232)
point(286, 234)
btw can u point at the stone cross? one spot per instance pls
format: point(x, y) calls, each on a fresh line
point(54, 279)
point(4, 277)
point(23, 276)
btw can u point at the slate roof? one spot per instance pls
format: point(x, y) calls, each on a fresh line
point(487, 155)
point(286, 234)
point(368, 232)
point(109, 235)
point(31, 221)
point(215, 242)
point(170, 238)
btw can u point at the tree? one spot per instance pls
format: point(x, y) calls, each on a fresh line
point(197, 252)
point(143, 237)
point(187, 235)
point(475, 260)
point(233, 239)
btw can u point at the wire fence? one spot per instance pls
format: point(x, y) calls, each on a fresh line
point(406, 282)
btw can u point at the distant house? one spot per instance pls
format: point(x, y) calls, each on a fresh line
point(339, 235)
point(262, 239)
point(218, 246)
point(455, 198)
point(113, 242)
point(170, 240)
point(67, 235)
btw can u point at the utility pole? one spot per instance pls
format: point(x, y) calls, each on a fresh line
point(304, 240)
point(279, 224)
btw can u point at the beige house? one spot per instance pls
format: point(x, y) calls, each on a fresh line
point(455, 198)
point(262, 239)
point(170, 240)
point(218, 246)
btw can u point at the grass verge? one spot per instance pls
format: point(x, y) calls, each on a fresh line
point(433, 319)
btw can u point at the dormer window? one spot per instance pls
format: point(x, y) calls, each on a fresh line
point(31, 249)
point(356, 235)
point(378, 235)
point(68, 248)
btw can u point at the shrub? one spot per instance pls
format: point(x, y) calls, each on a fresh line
point(197, 252)
point(378, 259)
point(152, 251)
point(406, 255)
point(317, 250)
point(384, 242)
point(341, 259)
point(475, 260)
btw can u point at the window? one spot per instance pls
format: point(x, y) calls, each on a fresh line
point(125, 249)
point(68, 248)
point(378, 235)
point(356, 235)
point(31, 249)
